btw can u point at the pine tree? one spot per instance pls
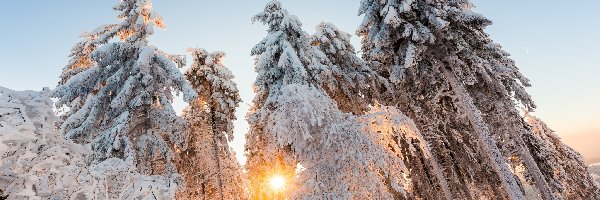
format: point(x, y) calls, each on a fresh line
point(460, 87)
point(209, 167)
point(297, 130)
point(127, 115)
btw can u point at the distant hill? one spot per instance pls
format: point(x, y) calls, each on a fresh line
point(593, 160)
point(586, 144)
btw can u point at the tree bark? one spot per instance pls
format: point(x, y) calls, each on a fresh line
point(215, 134)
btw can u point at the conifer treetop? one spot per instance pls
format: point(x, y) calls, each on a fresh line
point(285, 56)
point(137, 21)
point(209, 73)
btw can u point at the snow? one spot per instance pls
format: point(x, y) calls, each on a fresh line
point(595, 172)
point(35, 160)
point(38, 163)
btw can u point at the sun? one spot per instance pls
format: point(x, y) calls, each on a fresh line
point(277, 183)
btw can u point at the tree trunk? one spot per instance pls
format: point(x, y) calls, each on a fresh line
point(487, 144)
point(437, 170)
point(534, 170)
point(215, 135)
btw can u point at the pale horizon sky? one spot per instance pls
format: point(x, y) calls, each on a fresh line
point(555, 44)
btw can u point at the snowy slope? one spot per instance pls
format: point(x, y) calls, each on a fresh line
point(35, 161)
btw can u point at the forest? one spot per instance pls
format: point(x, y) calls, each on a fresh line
point(428, 107)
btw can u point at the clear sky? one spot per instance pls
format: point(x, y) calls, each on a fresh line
point(555, 43)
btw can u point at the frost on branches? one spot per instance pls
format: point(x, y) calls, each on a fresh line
point(80, 53)
point(353, 85)
point(400, 137)
point(120, 179)
point(80, 60)
point(462, 90)
point(208, 166)
point(563, 164)
point(125, 96)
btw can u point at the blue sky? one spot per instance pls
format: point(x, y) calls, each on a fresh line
point(555, 44)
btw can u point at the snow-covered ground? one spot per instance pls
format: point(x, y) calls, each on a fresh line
point(36, 162)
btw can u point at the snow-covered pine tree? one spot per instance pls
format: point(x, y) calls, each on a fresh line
point(209, 167)
point(127, 106)
point(565, 166)
point(35, 161)
point(459, 86)
point(298, 132)
point(354, 85)
point(356, 89)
